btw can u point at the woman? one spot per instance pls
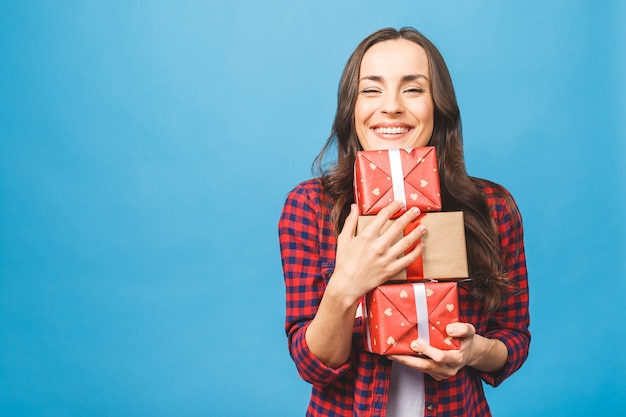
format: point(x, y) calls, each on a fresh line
point(396, 92)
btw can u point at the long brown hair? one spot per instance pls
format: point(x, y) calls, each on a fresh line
point(458, 190)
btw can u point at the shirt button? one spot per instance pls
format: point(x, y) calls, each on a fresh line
point(430, 407)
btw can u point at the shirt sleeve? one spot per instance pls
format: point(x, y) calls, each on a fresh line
point(510, 324)
point(305, 277)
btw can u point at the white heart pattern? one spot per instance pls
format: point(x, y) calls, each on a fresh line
point(403, 294)
point(450, 307)
point(423, 183)
point(376, 191)
point(388, 312)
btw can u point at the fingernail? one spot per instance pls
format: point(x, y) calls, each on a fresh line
point(415, 345)
point(451, 329)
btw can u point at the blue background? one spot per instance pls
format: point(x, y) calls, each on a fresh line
point(146, 149)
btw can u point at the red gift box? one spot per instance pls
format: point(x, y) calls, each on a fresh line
point(407, 175)
point(397, 314)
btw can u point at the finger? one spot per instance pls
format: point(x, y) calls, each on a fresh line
point(379, 224)
point(380, 220)
point(460, 330)
point(349, 226)
point(424, 365)
point(408, 248)
point(391, 209)
point(394, 234)
point(416, 362)
point(403, 260)
point(425, 349)
point(407, 243)
point(403, 221)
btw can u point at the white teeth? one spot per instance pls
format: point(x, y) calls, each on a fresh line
point(391, 130)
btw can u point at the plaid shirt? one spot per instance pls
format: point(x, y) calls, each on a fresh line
point(360, 386)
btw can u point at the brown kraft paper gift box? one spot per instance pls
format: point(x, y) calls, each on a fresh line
point(444, 255)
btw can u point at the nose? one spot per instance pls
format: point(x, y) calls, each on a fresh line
point(392, 104)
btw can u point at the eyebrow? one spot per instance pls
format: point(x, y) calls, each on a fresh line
point(405, 78)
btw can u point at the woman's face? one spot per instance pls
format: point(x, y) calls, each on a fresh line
point(394, 107)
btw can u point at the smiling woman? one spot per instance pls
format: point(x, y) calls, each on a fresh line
point(396, 92)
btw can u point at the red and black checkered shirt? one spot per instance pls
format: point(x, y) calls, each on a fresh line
point(360, 386)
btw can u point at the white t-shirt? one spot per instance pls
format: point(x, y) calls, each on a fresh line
point(406, 392)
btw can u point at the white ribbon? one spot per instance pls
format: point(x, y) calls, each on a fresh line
point(422, 312)
point(397, 176)
point(367, 327)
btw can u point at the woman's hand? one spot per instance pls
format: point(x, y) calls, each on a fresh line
point(483, 354)
point(362, 263)
point(370, 258)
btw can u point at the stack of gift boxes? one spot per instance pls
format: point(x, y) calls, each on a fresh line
point(420, 301)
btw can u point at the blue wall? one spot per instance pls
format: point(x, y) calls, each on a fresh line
point(146, 149)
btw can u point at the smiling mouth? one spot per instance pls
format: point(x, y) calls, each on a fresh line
point(391, 130)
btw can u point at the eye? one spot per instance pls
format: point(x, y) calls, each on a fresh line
point(414, 91)
point(369, 91)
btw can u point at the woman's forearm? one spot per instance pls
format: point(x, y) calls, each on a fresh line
point(329, 336)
